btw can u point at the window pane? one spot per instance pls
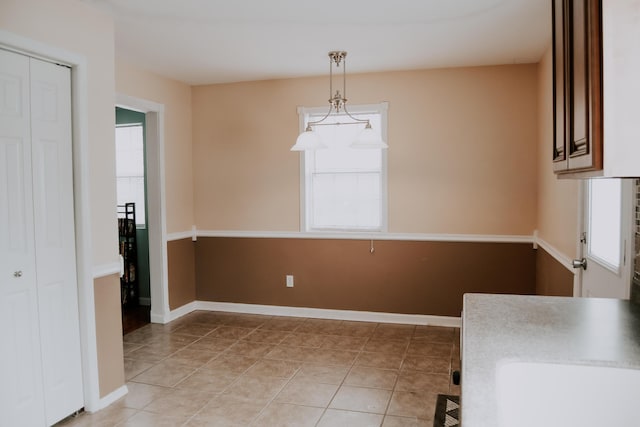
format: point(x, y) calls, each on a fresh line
point(339, 157)
point(130, 168)
point(346, 200)
point(605, 204)
point(129, 151)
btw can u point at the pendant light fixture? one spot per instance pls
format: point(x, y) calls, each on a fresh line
point(310, 140)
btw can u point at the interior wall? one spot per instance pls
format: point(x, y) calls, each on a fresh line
point(176, 98)
point(557, 198)
point(182, 272)
point(77, 27)
point(406, 277)
point(74, 26)
point(552, 278)
point(462, 156)
point(109, 333)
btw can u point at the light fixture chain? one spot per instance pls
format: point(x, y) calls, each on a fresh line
point(308, 140)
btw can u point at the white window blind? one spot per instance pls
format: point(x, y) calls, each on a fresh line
point(130, 168)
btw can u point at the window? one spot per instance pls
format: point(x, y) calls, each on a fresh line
point(604, 239)
point(130, 168)
point(344, 189)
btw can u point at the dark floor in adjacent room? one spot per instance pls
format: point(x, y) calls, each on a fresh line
point(135, 317)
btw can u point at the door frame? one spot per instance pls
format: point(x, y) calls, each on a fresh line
point(156, 207)
point(82, 207)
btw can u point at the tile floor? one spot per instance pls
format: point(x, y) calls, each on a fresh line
point(224, 369)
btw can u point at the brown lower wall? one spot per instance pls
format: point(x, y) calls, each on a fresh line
point(181, 272)
point(552, 278)
point(399, 277)
point(109, 333)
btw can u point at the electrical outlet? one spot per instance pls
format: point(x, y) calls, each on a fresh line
point(289, 281)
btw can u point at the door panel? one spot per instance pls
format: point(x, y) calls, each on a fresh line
point(580, 78)
point(55, 238)
point(21, 392)
point(12, 189)
point(49, 198)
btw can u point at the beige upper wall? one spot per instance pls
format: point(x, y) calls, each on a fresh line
point(462, 156)
point(176, 98)
point(557, 198)
point(76, 27)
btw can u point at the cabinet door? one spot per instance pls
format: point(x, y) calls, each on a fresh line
point(579, 81)
point(560, 92)
point(585, 144)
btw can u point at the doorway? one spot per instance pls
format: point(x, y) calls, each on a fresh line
point(155, 211)
point(607, 238)
point(131, 184)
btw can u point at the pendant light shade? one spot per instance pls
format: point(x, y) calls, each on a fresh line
point(369, 139)
point(308, 140)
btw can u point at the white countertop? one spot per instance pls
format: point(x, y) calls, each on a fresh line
point(539, 329)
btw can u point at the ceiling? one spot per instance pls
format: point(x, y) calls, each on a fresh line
point(216, 41)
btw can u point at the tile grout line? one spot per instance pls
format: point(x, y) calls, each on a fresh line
point(228, 322)
point(345, 377)
point(257, 416)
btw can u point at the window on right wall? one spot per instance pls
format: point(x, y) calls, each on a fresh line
point(344, 189)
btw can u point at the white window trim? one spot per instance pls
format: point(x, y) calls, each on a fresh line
point(381, 108)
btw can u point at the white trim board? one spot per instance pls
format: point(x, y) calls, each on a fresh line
point(180, 235)
point(105, 270)
point(109, 399)
point(175, 313)
point(420, 237)
point(316, 313)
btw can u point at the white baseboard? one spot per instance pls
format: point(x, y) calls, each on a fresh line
point(318, 313)
point(179, 312)
point(111, 397)
point(158, 318)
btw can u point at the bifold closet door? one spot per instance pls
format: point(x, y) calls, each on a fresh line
point(21, 389)
point(55, 243)
point(39, 305)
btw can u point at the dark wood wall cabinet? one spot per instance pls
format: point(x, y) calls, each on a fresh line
point(577, 85)
point(596, 64)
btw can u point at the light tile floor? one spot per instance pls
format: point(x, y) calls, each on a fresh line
point(223, 369)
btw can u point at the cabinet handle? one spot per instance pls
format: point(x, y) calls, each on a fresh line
point(17, 273)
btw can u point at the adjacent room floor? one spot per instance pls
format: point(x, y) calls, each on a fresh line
point(223, 369)
point(134, 317)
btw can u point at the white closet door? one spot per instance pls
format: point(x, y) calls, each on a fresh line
point(40, 365)
point(55, 238)
point(21, 391)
